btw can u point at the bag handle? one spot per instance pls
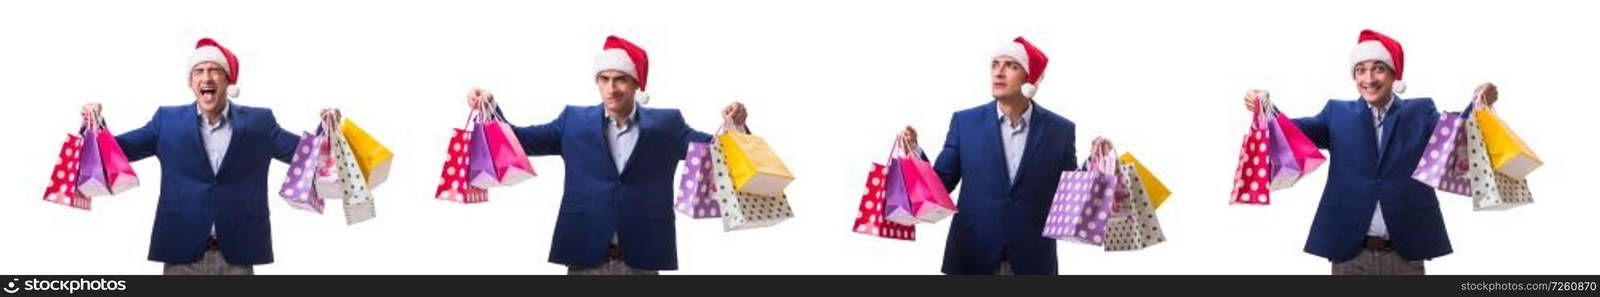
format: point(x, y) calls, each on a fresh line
point(330, 125)
point(475, 115)
point(489, 111)
point(92, 122)
point(1100, 158)
point(1265, 111)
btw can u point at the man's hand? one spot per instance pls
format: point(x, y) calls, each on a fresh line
point(735, 115)
point(479, 97)
point(1488, 93)
point(1103, 145)
point(1253, 98)
point(330, 113)
point(908, 140)
point(90, 110)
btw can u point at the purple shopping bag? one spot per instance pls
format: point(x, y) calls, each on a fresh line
point(91, 171)
point(480, 166)
point(296, 188)
point(1082, 203)
point(897, 202)
point(694, 188)
point(1438, 166)
point(1283, 167)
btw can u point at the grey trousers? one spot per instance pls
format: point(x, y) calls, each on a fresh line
point(1004, 269)
point(1371, 262)
point(209, 264)
point(610, 267)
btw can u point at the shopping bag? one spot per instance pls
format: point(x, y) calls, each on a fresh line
point(743, 210)
point(1437, 167)
point(328, 182)
point(372, 157)
point(511, 164)
point(869, 218)
point(694, 186)
point(1306, 152)
point(91, 170)
point(929, 198)
point(358, 204)
point(1507, 152)
point(755, 167)
point(453, 184)
point(1158, 191)
point(1133, 225)
point(480, 163)
point(1281, 166)
point(898, 208)
point(297, 189)
point(1250, 180)
point(1491, 190)
point(63, 188)
point(1083, 202)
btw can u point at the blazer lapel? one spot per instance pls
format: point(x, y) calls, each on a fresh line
point(192, 126)
point(594, 129)
point(1032, 148)
point(645, 128)
point(1369, 134)
point(994, 145)
point(233, 140)
point(1389, 123)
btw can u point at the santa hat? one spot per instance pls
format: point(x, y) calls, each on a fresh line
point(1031, 59)
point(620, 55)
point(1374, 46)
point(207, 50)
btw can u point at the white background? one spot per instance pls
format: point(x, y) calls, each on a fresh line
point(828, 83)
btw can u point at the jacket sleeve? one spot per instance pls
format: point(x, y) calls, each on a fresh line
point(141, 143)
point(283, 142)
point(1316, 127)
point(949, 163)
point(542, 139)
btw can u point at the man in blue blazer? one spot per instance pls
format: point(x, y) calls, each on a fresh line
point(212, 215)
point(616, 207)
point(1010, 152)
point(1373, 217)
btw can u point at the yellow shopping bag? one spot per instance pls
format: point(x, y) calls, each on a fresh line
point(372, 156)
point(1507, 153)
point(1158, 191)
point(753, 165)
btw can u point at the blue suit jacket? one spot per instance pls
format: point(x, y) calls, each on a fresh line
point(597, 202)
point(998, 217)
point(1360, 177)
point(193, 197)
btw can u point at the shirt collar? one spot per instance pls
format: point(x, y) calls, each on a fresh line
point(633, 117)
point(227, 107)
point(1027, 114)
point(1379, 109)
